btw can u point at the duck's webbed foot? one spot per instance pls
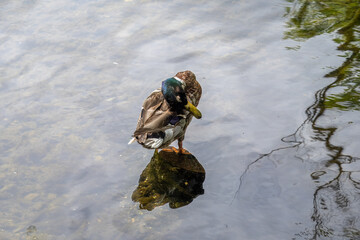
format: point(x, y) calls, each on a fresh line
point(181, 150)
point(170, 149)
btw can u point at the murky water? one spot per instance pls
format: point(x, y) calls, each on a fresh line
point(278, 139)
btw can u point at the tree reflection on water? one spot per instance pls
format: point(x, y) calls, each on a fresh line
point(336, 202)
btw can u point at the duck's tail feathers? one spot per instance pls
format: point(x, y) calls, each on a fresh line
point(132, 140)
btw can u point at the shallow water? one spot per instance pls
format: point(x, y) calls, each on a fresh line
point(278, 139)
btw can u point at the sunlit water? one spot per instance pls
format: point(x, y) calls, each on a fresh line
point(280, 155)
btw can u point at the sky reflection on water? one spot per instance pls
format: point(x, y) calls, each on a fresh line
point(73, 76)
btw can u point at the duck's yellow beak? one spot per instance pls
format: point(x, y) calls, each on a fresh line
point(191, 108)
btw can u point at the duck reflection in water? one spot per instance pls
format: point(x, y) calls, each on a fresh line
point(171, 178)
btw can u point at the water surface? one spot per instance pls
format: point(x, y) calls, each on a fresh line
point(278, 139)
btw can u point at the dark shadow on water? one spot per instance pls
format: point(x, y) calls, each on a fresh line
point(169, 178)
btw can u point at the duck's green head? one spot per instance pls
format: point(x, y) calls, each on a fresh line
point(173, 90)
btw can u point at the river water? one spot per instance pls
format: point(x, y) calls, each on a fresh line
point(278, 140)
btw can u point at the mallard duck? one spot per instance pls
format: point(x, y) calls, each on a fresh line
point(168, 111)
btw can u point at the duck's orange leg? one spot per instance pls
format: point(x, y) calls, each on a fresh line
point(181, 149)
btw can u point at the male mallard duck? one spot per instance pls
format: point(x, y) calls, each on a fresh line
point(167, 112)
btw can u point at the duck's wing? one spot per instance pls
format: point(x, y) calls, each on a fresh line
point(155, 114)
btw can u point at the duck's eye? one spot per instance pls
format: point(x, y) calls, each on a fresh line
point(178, 98)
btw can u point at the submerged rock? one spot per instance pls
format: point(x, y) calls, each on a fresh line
point(169, 178)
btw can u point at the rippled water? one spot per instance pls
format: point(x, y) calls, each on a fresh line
point(278, 139)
